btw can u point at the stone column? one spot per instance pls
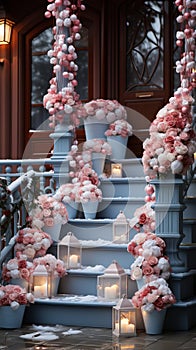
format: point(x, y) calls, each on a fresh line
point(169, 207)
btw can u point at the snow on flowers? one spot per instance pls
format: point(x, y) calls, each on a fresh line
point(150, 259)
point(172, 140)
point(48, 211)
point(119, 127)
point(155, 295)
point(98, 146)
point(104, 111)
point(13, 296)
point(18, 267)
point(53, 265)
point(32, 242)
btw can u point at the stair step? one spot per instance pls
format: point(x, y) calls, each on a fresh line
point(102, 253)
point(73, 310)
point(132, 167)
point(189, 230)
point(181, 316)
point(85, 281)
point(86, 229)
point(192, 188)
point(87, 311)
point(187, 253)
point(190, 212)
point(82, 311)
point(123, 187)
point(110, 207)
point(183, 284)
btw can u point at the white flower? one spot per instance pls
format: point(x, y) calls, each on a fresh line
point(14, 305)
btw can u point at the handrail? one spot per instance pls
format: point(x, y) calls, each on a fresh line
point(19, 194)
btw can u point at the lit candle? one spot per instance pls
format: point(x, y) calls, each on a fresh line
point(124, 325)
point(117, 326)
point(73, 261)
point(111, 292)
point(116, 170)
point(130, 328)
point(40, 291)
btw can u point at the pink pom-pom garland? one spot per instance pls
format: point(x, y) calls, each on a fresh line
point(62, 98)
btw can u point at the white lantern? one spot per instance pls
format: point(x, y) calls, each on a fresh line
point(121, 229)
point(41, 282)
point(124, 318)
point(112, 284)
point(69, 250)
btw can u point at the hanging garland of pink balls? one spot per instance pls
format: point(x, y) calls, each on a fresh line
point(61, 99)
point(186, 38)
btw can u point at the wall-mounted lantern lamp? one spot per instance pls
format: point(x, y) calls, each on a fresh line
point(5, 27)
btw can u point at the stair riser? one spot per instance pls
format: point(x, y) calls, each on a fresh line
point(92, 256)
point(189, 230)
point(129, 189)
point(183, 286)
point(188, 255)
point(190, 212)
point(110, 209)
point(69, 315)
point(178, 317)
point(131, 167)
point(96, 256)
point(87, 285)
point(192, 189)
point(87, 230)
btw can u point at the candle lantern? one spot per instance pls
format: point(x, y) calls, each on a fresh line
point(41, 282)
point(116, 170)
point(124, 318)
point(69, 250)
point(113, 283)
point(121, 229)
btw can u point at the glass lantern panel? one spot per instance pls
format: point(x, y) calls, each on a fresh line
point(121, 232)
point(111, 287)
point(127, 322)
point(40, 286)
point(70, 255)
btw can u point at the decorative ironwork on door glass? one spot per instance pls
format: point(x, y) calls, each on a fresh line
point(144, 45)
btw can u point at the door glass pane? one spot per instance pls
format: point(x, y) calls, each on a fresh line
point(42, 70)
point(144, 45)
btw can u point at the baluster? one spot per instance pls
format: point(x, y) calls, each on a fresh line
point(8, 170)
point(42, 180)
point(20, 170)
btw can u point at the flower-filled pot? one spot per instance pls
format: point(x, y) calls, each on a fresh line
point(119, 146)
point(154, 321)
point(49, 214)
point(97, 149)
point(95, 129)
point(72, 209)
point(20, 282)
point(13, 300)
point(54, 231)
point(98, 162)
point(90, 209)
point(98, 114)
point(10, 318)
point(31, 242)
